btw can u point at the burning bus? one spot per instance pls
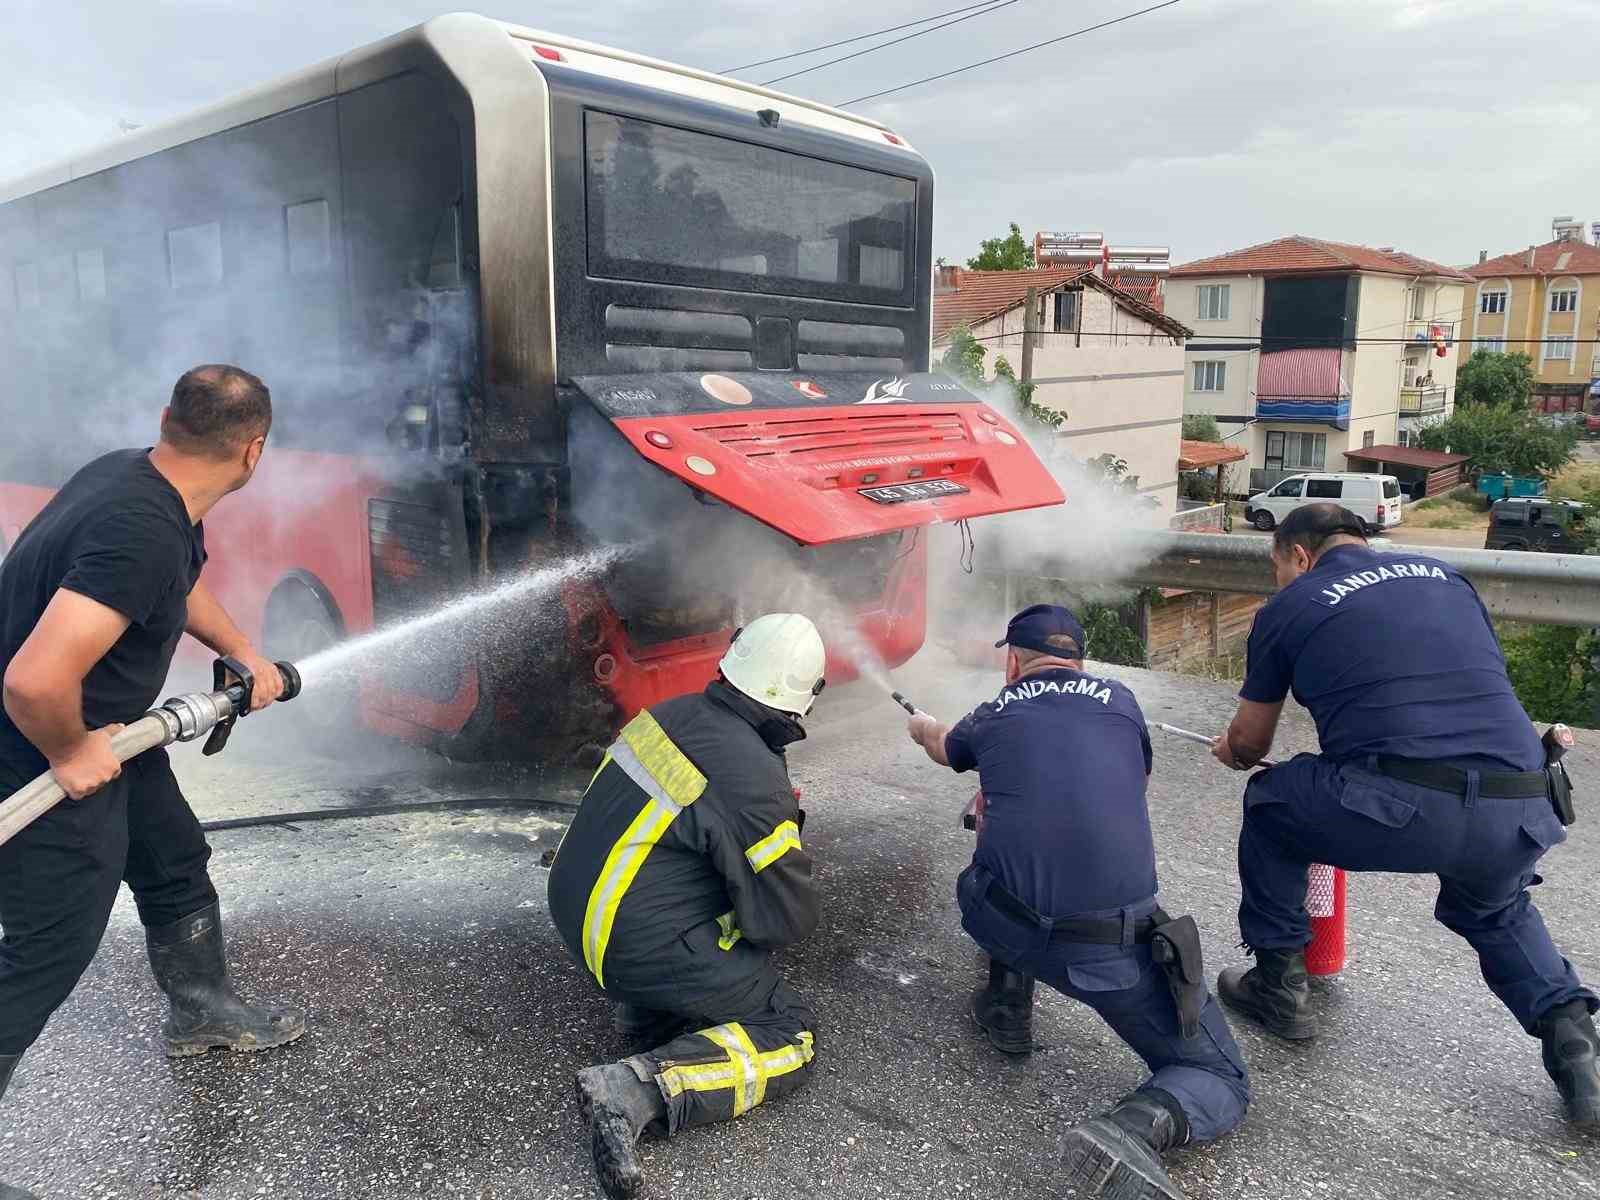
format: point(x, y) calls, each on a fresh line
point(517, 295)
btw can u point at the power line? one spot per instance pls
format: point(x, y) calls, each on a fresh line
point(859, 37)
point(983, 12)
point(1002, 57)
point(1331, 343)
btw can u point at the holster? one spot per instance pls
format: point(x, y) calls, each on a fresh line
point(1560, 788)
point(1175, 946)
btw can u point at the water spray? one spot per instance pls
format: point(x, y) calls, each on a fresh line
point(180, 719)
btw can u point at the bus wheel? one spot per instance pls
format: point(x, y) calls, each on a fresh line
point(301, 621)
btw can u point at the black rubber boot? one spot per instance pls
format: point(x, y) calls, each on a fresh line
point(618, 1105)
point(8, 1064)
point(1276, 992)
point(1571, 1051)
point(191, 967)
point(646, 1028)
point(1118, 1154)
point(1004, 1009)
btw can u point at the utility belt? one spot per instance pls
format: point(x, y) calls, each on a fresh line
point(1174, 945)
point(1552, 783)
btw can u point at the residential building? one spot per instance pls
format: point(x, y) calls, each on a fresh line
point(1305, 349)
point(1545, 302)
point(1113, 364)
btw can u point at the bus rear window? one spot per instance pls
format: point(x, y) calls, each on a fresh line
point(667, 205)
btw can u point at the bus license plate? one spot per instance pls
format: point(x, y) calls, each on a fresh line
point(899, 493)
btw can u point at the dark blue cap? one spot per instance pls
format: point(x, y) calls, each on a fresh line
point(1033, 627)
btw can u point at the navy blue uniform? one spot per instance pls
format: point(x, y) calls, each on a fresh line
point(1063, 758)
point(1395, 658)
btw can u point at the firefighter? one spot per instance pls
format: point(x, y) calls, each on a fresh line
point(94, 596)
point(1062, 888)
point(680, 875)
point(1429, 765)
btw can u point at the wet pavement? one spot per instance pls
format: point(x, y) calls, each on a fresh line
point(447, 1022)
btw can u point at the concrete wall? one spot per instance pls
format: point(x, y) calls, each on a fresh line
point(1243, 326)
point(1121, 386)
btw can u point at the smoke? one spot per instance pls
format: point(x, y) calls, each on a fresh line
point(1072, 554)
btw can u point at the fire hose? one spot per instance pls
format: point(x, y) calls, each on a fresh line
point(180, 719)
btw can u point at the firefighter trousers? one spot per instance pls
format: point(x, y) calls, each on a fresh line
point(733, 1060)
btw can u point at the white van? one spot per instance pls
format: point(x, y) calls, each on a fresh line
point(1374, 498)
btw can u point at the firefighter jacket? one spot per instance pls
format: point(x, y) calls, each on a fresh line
point(683, 867)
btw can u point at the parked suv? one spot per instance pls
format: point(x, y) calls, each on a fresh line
point(1374, 498)
point(1536, 523)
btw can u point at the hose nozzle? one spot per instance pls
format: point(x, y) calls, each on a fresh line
point(904, 703)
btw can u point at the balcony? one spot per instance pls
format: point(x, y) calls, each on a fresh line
point(1420, 333)
point(1304, 386)
point(1422, 401)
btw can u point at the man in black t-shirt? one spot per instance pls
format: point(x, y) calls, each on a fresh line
point(94, 596)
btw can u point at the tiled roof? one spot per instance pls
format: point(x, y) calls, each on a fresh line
point(1406, 456)
point(1192, 456)
point(980, 296)
point(1300, 255)
point(1552, 258)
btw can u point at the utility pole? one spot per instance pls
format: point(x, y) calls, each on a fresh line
point(1030, 330)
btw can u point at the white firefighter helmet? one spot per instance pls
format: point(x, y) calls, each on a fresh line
point(777, 660)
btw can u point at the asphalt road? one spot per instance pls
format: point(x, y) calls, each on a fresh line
point(446, 1021)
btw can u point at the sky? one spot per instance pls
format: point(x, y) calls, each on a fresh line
point(1442, 127)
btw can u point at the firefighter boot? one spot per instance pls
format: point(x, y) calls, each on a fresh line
point(1004, 1009)
point(8, 1064)
point(618, 1105)
point(1118, 1154)
point(1276, 992)
point(1571, 1047)
point(191, 967)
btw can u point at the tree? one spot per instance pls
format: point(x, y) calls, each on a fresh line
point(963, 359)
point(1010, 253)
point(1495, 379)
point(1503, 438)
point(1555, 671)
point(1200, 427)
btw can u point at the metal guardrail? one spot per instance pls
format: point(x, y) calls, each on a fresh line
point(1550, 589)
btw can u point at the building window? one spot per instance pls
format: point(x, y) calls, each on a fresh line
point(1210, 376)
point(1493, 302)
point(1564, 301)
point(1213, 301)
point(309, 228)
point(1403, 438)
point(1367, 439)
point(1066, 312)
point(1558, 349)
point(1419, 300)
point(1490, 345)
point(1296, 451)
point(194, 255)
point(91, 266)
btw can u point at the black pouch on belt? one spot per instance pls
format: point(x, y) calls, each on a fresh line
point(1175, 946)
point(1560, 787)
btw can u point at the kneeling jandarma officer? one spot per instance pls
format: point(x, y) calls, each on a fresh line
point(1062, 888)
point(680, 875)
point(1429, 765)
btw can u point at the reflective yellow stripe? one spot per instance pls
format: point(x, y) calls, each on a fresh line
point(744, 1057)
point(775, 845)
point(650, 760)
point(730, 932)
point(708, 1077)
point(621, 865)
point(678, 777)
point(791, 1058)
point(604, 762)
